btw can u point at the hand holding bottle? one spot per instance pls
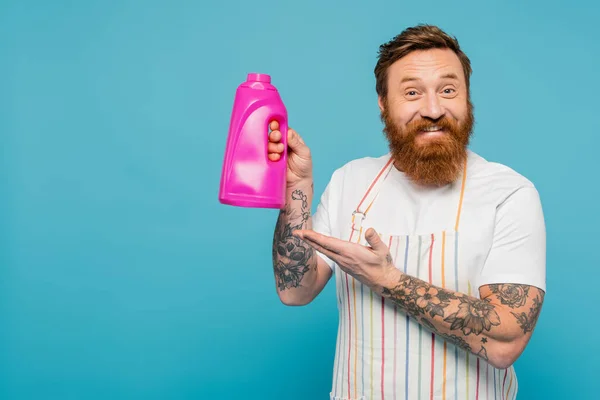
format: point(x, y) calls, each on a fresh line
point(299, 160)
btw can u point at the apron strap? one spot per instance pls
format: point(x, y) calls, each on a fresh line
point(363, 207)
point(369, 197)
point(462, 194)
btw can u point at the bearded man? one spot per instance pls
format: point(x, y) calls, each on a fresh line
point(438, 254)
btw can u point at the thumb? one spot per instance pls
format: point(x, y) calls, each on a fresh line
point(375, 241)
point(296, 144)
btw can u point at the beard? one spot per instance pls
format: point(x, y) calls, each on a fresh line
point(436, 161)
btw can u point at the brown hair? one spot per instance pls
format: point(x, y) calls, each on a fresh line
point(420, 37)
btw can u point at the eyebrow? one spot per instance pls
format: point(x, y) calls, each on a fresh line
point(450, 75)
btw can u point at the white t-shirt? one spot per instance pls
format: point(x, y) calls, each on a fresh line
point(501, 221)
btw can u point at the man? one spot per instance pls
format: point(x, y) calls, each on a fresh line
point(438, 254)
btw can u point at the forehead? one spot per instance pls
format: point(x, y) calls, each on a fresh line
point(426, 65)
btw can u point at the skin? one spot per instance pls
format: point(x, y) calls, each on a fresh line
point(496, 326)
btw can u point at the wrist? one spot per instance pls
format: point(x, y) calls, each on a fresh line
point(305, 185)
point(300, 196)
point(388, 279)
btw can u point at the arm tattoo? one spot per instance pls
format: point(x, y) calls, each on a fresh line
point(483, 352)
point(527, 321)
point(512, 295)
point(457, 340)
point(291, 256)
point(515, 296)
point(418, 298)
point(425, 302)
point(473, 316)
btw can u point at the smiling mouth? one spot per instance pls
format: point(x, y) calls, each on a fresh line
point(432, 131)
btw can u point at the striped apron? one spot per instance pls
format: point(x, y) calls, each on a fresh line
point(381, 353)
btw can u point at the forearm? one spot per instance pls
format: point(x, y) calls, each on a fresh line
point(484, 327)
point(295, 262)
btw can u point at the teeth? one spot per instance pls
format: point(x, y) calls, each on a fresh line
point(432, 129)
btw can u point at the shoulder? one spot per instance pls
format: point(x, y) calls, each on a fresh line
point(494, 180)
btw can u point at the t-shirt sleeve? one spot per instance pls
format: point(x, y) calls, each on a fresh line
point(518, 251)
point(322, 218)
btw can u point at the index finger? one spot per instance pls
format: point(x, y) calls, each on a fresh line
point(274, 125)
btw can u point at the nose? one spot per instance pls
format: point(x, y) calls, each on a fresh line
point(432, 108)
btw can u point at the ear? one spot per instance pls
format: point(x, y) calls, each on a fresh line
point(380, 103)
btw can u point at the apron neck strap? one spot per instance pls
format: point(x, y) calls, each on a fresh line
point(369, 197)
point(462, 194)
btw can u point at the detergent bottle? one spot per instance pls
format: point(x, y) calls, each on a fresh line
point(248, 177)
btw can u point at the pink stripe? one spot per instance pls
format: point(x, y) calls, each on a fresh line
point(432, 334)
point(375, 181)
point(504, 382)
point(382, 344)
point(349, 332)
point(383, 336)
point(395, 339)
point(430, 257)
point(477, 392)
point(395, 317)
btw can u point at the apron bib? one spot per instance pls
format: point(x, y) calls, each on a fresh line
point(381, 352)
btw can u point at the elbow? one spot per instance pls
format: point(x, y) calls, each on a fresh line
point(505, 354)
point(502, 361)
point(294, 301)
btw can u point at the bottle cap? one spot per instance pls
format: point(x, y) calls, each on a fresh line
point(256, 77)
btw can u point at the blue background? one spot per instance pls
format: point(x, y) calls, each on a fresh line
point(122, 277)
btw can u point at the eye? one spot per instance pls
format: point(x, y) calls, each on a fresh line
point(411, 93)
point(449, 91)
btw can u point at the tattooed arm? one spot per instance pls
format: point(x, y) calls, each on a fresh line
point(300, 274)
point(496, 327)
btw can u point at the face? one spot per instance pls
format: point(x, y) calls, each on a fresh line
point(427, 115)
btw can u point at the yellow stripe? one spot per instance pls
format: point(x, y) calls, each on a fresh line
point(368, 208)
point(509, 383)
point(443, 255)
point(444, 382)
point(355, 322)
point(462, 193)
point(365, 213)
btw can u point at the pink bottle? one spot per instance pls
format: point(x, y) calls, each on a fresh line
point(248, 177)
